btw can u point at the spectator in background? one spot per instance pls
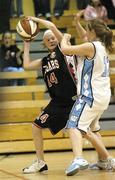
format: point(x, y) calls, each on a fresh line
point(42, 8)
point(4, 17)
point(60, 6)
point(82, 4)
point(113, 1)
point(18, 11)
point(95, 10)
point(10, 58)
point(110, 5)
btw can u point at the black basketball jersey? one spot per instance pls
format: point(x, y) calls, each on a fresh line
point(57, 76)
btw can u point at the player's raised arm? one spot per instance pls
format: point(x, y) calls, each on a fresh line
point(85, 49)
point(49, 25)
point(80, 29)
point(28, 64)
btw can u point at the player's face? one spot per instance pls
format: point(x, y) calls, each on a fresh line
point(50, 41)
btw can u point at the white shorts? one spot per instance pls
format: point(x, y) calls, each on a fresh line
point(84, 117)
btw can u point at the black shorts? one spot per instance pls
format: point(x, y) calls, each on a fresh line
point(54, 116)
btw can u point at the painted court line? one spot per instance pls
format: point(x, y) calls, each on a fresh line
point(12, 174)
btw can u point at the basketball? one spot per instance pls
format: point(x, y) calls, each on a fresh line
point(27, 29)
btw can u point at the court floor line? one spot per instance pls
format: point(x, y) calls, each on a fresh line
point(3, 157)
point(12, 174)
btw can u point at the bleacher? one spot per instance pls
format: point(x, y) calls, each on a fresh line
point(20, 105)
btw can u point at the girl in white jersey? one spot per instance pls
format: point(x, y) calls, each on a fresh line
point(93, 92)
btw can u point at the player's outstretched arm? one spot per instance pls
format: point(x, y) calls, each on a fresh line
point(85, 49)
point(49, 25)
point(81, 31)
point(29, 64)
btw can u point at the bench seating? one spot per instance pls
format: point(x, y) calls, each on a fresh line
point(16, 119)
point(57, 142)
point(29, 76)
point(21, 111)
point(26, 92)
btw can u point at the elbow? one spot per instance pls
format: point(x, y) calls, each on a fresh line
point(65, 51)
point(52, 26)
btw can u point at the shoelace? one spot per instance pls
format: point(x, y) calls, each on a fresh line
point(111, 164)
point(74, 161)
point(32, 165)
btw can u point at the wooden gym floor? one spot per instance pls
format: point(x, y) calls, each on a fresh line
point(11, 166)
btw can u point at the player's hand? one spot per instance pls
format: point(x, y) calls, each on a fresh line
point(67, 36)
point(32, 18)
point(78, 16)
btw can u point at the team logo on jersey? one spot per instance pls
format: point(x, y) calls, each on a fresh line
point(43, 118)
point(53, 55)
point(51, 65)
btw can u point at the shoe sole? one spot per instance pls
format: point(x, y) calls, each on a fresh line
point(42, 172)
point(71, 173)
point(76, 170)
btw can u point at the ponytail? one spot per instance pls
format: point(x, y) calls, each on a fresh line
point(103, 32)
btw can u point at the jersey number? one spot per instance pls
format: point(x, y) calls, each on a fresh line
point(52, 79)
point(106, 67)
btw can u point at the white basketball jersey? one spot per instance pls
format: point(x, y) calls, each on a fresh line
point(93, 78)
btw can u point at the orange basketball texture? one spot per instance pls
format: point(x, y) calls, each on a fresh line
point(27, 29)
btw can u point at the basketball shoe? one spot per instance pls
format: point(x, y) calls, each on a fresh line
point(76, 165)
point(108, 164)
point(36, 166)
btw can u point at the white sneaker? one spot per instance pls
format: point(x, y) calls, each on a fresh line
point(111, 162)
point(77, 163)
point(36, 167)
point(99, 165)
point(108, 164)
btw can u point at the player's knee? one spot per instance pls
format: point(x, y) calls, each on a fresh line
point(88, 135)
point(35, 128)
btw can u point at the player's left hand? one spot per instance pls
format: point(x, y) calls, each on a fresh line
point(67, 36)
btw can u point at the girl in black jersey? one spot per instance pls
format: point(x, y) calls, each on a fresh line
point(61, 86)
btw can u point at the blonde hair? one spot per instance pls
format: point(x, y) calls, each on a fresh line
point(48, 31)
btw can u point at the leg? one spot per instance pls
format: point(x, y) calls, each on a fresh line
point(46, 5)
point(97, 144)
point(74, 135)
point(38, 141)
point(99, 136)
point(19, 8)
point(12, 9)
point(58, 8)
point(41, 122)
point(38, 8)
point(82, 4)
point(74, 123)
point(39, 165)
point(78, 162)
point(105, 161)
point(46, 9)
point(66, 5)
